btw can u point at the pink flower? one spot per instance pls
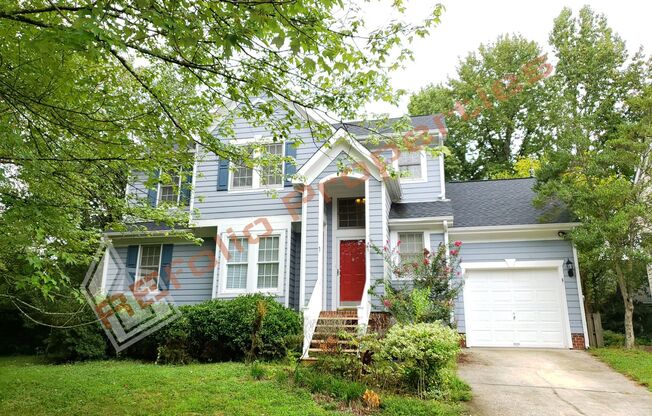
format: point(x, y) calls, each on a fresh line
point(385, 248)
point(447, 269)
point(387, 303)
point(458, 244)
point(426, 262)
point(454, 252)
point(398, 243)
point(426, 252)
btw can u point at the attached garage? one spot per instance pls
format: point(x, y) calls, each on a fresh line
point(519, 306)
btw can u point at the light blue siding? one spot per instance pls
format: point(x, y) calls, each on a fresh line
point(429, 190)
point(192, 267)
point(524, 251)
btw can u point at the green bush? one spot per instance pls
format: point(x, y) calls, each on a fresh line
point(225, 330)
point(86, 342)
point(410, 406)
point(613, 339)
point(419, 354)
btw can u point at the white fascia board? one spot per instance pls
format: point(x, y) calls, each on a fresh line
point(419, 220)
point(533, 232)
point(518, 227)
point(339, 142)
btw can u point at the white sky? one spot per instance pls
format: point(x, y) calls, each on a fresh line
point(465, 24)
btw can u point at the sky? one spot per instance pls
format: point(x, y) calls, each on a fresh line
point(465, 24)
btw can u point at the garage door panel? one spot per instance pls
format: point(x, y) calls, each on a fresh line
point(508, 307)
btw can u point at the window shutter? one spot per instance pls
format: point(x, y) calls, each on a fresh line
point(290, 169)
point(223, 175)
point(132, 263)
point(186, 185)
point(152, 193)
point(166, 267)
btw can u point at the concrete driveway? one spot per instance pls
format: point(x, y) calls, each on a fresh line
point(523, 382)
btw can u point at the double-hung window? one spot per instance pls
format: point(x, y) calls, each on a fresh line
point(149, 262)
point(268, 176)
point(411, 246)
point(237, 264)
point(411, 166)
point(171, 188)
point(253, 266)
point(268, 262)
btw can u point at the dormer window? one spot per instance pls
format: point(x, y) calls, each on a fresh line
point(412, 166)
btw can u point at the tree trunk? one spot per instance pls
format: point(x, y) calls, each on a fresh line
point(629, 308)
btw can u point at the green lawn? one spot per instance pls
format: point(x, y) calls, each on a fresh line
point(637, 364)
point(126, 387)
point(31, 387)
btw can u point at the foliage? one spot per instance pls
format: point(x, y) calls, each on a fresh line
point(79, 338)
point(29, 387)
point(613, 339)
point(220, 330)
point(410, 406)
point(419, 354)
point(599, 168)
point(494, 116)
point(427, 283)
point(636, 363)
point(92, 92)
point(328, 384)
point(257, 370)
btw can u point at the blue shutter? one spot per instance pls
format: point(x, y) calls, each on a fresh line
point(166, 267)
point(186, 184)
point(132, 263)
point(152, 193)
point(290, 169)
point(223, 175)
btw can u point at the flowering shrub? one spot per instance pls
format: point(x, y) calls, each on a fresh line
point(420, 353)
point(424, 286)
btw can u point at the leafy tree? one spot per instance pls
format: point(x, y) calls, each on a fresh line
point(91, 91)
point(599, 166)
point(493, 109)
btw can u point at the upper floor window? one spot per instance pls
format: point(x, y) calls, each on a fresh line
point(411, 166)
point(351, 212)
point(174, 188)
point(262, 177)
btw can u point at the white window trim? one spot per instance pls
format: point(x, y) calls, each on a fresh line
point(140, 256)
point(424, 169)
point(158, 191)
point(255, 174)
point(252, 267)
point(394, 241)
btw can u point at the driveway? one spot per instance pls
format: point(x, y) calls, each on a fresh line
point(523, 382)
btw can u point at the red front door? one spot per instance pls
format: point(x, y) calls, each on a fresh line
point(352, 270)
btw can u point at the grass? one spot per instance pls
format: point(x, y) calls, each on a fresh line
point(30, 387)
point(636, 364)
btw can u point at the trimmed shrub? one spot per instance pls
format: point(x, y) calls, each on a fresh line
point(252, 326)
point(419, 354)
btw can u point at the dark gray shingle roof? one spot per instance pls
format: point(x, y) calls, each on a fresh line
point(498, 202)
point(364, 128)
point(421, 210)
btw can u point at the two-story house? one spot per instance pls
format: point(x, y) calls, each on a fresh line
point(305, 242)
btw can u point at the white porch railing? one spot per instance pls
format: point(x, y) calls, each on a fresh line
point(364, 309)
point(311, 315)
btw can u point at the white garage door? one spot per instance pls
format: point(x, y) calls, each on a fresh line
point(514, 308)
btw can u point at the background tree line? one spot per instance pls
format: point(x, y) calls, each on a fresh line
point(584, 130)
